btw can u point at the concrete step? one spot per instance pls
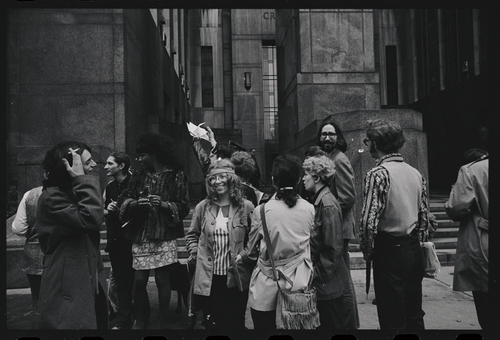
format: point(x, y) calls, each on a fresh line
point(445, 243)
point(436, 207)
point(441, 215)
point(444, 232)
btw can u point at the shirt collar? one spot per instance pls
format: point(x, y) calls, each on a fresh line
point(392, 157)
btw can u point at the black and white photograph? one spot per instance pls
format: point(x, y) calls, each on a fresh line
point(246, 172)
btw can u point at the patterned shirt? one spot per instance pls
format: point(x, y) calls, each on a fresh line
point(377, 184)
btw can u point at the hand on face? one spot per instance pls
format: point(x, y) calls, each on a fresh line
point(77, 168)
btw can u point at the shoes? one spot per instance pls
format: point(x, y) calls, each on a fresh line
point(139, 325)
point(115, 328)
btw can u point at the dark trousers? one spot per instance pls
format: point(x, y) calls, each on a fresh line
point(487, 310)
point(397, 275)
point(352, 298)
point(120, 254)
point(263, 320)
point(35, 283)
point(226, 306)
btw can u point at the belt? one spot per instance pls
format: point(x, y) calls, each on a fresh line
point(386, 236)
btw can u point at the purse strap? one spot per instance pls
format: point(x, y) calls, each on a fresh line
point(276, 273)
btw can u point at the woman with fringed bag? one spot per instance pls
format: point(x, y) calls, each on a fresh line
point(289, 219)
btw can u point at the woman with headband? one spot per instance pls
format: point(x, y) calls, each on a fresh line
point(289, 220)
point(218, 233)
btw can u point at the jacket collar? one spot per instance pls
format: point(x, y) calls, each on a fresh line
point(319, 195)
point(212, 208)
point(392, 157)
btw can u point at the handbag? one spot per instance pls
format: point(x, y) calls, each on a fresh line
point(297, 309)
point(430, 260)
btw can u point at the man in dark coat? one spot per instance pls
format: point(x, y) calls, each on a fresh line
point(69, 216)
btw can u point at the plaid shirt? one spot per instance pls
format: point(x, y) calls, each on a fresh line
point(377, 184)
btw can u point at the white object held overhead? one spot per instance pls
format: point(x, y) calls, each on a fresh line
point(197, 131)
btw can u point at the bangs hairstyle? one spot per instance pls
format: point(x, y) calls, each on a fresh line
point(341, 142)
point(388, 135)
point(53, 165)
point(320, 166)
point(160, 146)
point(233, 182)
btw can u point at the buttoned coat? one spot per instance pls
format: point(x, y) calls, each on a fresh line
point(468, 203)
point(68, 229)
point(200, 239)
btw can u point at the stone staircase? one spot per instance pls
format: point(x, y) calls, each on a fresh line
point(445, 239)
point(182, 252)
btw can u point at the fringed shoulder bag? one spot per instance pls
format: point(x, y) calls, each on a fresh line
point(294, 310)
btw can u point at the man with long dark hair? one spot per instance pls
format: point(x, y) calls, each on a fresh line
point(69, 216)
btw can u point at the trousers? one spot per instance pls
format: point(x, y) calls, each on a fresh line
point(397, 276)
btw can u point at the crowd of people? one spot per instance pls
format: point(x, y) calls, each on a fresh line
point(309, 217)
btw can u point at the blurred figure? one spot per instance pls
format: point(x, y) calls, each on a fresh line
point(24, 225)
point(331, 276)
point(218, 233)
point(469, 204)
point(256, 178)
point(69, 216)
point(290, 219)
point(154, 205)
point(245, 168)
point(394, 220)
point(119, 248)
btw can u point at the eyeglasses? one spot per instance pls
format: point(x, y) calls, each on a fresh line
point(366, 140)
point(220, 177)
point(329, 134)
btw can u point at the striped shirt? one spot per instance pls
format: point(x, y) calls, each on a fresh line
point(222, 259)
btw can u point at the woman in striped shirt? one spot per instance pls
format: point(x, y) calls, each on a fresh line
point(218, 233)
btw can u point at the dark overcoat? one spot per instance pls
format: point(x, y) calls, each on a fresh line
point(73, 273)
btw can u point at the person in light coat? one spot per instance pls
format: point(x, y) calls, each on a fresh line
point(218, 233)
point(289, 219)
point(469, 203)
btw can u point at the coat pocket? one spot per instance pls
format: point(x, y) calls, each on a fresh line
point(483, 226)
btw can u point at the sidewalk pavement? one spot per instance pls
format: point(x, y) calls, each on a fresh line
point(444, 308)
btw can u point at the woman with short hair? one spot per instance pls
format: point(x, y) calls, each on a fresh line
point(331, 276)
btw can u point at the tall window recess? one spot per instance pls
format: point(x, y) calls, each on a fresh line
point(207, 77)
point(391, 64)
point(270, 90)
